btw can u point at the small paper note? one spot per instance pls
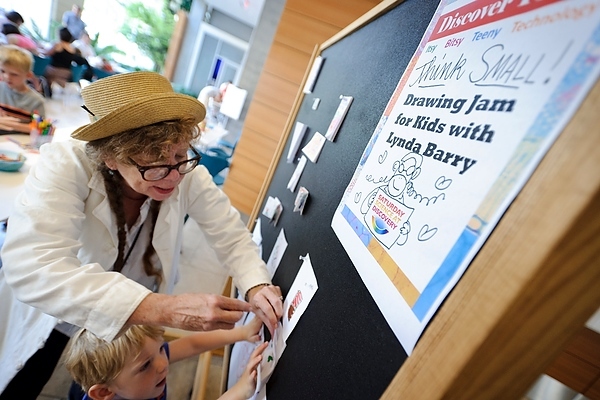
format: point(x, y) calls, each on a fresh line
point(277, 253)
point(273, 209)
point(297, 173)
point(300, 201)
point(270, 207)
point(315, 103)
point(301, 293)
point(257, 235)
point(312, 75)
point(297, 136)
point(338, 118)
point(314, 147)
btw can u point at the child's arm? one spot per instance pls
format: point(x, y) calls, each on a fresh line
point(200, 342)
point(14, 124)
point(246, 385)
point(56, 47)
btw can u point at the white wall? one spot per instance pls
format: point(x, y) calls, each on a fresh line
point(32, 10)
point(107, 17)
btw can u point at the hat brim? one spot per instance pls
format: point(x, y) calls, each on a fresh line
point(143, 112)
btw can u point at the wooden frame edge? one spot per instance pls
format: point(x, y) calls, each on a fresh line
point(530, 289)
point(282, 141)
point(367, 17)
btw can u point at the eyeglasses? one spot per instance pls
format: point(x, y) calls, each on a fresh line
point(158, 172)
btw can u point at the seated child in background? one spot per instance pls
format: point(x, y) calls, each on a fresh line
point(18, 101)
point(135, 365)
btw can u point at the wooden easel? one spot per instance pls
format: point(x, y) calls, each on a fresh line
point(531, 288)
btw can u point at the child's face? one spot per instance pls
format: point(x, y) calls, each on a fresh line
point(145, 376)
point(15, 78)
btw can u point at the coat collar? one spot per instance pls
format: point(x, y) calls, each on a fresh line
point(167, 233)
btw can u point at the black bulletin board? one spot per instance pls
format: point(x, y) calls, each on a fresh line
point(342, 347)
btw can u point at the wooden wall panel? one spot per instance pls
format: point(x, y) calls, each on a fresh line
point(275, 92)
point(242, 197)
point(332, 12)
point(302, 32)
point(265, 120)
point(260, 148)
point(303, 25)
point(248, 171)
point(287, 62)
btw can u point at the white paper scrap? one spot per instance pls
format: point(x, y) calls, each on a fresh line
point(301, 293)
point(312, 75)
point(314, 147)
point(297, 173)
point(297, 136)
point(277, 253)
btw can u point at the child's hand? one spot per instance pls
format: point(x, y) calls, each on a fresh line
point(252, 329)
point(246, 386)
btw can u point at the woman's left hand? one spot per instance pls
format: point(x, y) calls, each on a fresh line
point(267, 304)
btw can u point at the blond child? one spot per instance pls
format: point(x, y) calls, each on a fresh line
point(135, 365)
point(18, 101)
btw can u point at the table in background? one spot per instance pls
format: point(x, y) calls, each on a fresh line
point(11, 183)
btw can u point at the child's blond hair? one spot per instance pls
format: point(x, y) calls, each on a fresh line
point(16, 57)
point(91, 360)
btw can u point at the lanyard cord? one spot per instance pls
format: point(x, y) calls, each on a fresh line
point(137, 235)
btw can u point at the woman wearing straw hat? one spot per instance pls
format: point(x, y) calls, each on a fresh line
point(95, 237)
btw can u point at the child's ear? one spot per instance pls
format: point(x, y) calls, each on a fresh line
point(100, 391)
point(30, 75)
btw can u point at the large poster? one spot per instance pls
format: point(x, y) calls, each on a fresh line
point(489, 89)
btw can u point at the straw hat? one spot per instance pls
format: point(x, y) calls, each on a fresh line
point(126, 101)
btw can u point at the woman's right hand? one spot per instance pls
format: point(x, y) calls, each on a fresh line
point(189, 311)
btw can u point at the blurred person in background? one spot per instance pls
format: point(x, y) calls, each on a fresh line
point(62, 55)
point(14, 36)
point(73, 22)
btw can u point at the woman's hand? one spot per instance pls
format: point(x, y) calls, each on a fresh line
point(189, 311)
point(267, 304)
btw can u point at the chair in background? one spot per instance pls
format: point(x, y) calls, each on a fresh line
point(225, 148)
point(39, 81)
point(73, 88)
point(100, 73)
point(77, 73)
point(40, 64)
point(215, 163)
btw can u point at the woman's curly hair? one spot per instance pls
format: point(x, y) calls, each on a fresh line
point(152, 141)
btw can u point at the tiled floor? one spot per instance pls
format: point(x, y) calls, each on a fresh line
point(199, 272)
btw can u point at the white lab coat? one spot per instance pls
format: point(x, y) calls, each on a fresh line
point(62, 239)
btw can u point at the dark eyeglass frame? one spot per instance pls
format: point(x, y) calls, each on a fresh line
point(169, 168)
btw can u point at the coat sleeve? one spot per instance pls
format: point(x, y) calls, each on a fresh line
point(225, 231)
point(40, 255)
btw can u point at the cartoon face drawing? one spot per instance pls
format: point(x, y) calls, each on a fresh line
point(405, 170)
point(384, 210)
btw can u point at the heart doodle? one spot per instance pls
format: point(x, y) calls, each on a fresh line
point(382, 157)
point(357, 197)
point(425, 233)
point(443, 183)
